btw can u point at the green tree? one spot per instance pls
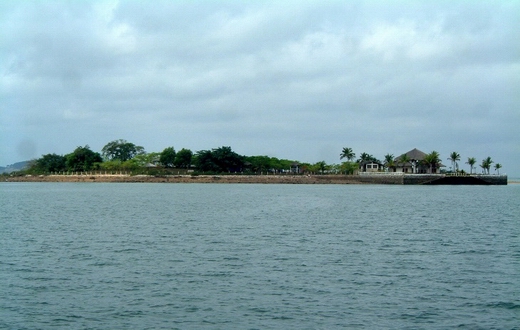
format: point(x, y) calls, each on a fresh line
point(183, 158)
point(167, 157)
point(432, 160)
point(348, 154)
point(486, 164)
point(403, 159)
point(471, 162)
point(389, 161)
point(121, 150)
point(83, 159)
point(49, 163)
point(259, 163)
point(205, 162)
point(365, 157)
point(498, 166)
point(321, 166)
point(146, 159)
point(454, 158)
point(219, 160)
point(335, 168)
point(228, 160)
point(111, 165)
point(349, 167)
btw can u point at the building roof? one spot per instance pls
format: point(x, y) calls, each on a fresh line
point(414, 154)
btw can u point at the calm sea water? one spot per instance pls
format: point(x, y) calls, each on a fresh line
point(210, 256)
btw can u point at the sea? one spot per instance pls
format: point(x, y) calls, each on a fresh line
point(253, 256)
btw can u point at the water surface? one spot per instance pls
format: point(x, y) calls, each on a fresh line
point(192, 256)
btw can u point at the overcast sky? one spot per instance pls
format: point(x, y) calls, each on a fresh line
point(297, 79)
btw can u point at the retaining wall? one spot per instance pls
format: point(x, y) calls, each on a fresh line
point(376, 178)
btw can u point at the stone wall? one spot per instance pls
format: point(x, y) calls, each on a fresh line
point(374, 178)
point(421, 178)
point(493, 179)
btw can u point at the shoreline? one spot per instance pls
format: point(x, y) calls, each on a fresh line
point(399, 179)
point(251, 179)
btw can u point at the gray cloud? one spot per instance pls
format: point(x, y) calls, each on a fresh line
point(290, 80)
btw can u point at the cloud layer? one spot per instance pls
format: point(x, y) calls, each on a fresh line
point(291, 80)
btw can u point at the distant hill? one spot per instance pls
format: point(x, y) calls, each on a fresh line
point(14, 167)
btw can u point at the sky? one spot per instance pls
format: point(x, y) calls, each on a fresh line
point(297, 80)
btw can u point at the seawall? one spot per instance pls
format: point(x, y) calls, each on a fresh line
point(376, 178)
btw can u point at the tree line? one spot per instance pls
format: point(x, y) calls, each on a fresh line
point(121, 155)
point(432, 160)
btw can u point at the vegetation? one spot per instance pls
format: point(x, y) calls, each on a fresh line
point(50, 163)
point(167, 158)
point(486, 164)
point(365, 157)
point(348, 154)
point(121, 155)
point(183, 158)
point(471, 162)
point(121, 150)
point(349, 167)
point(389, 161)
point(83, 159)
point(404, 159)
point(454, 157)
point(432, 160)
point(219, 160)
point(498, 166)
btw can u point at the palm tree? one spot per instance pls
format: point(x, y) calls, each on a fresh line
point(349, 167)
point(321, 167)
point(432, 160)
point(403, 159)
point(389, 161)
point(348, 154)
point(454, 157)
point(471, 161)
point(486, 164)
point(364, 157)
point(498, 166)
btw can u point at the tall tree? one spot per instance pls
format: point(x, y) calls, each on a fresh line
point(454, 158)
point(183, 158)
point(471, 162)
point(83, 159)
point(221, 159)
point(259, 163)
point(228, 160)
point(167, 157)
point(486, 164)
point(50, 163)
point(121, 150)
point(348, 154)
point(432, 160)
point(498, 166)
point(365, 157)
point(389, 161)
point(403, 159)
point(205, 162)
point(321, 166)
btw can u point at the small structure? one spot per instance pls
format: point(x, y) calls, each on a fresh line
point(295, 168)
point(414, 163)
point(370, 166)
